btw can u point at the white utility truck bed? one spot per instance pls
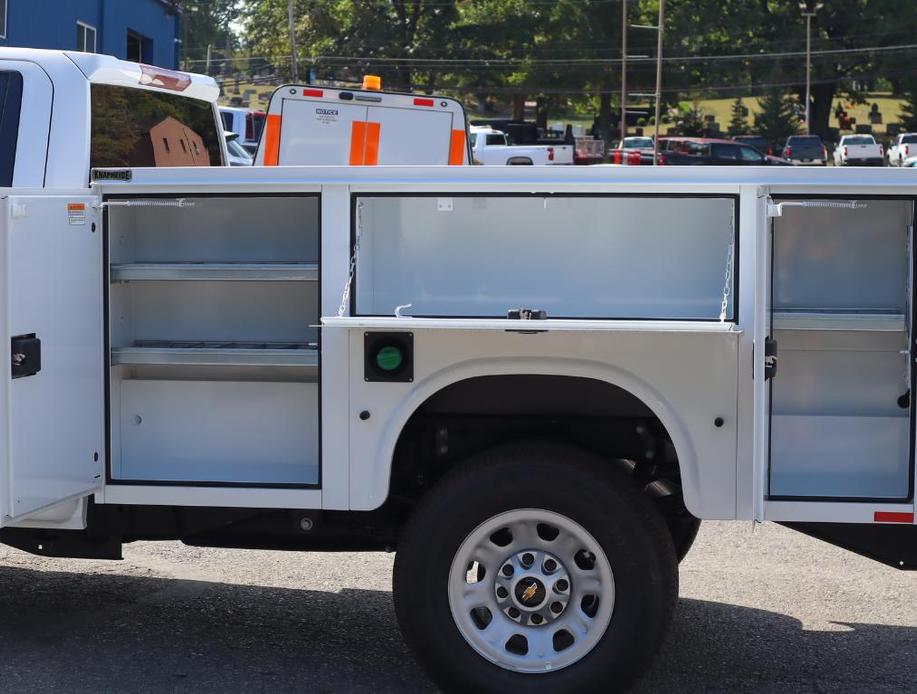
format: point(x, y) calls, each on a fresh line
point(533, 383)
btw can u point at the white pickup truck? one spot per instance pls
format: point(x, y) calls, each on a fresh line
point(521, 380)
point(491, 147)
point(858, 150)
point(903, 148)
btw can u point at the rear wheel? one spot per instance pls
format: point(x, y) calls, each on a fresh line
point(535, 568)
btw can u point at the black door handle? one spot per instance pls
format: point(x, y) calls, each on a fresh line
point(25, 355)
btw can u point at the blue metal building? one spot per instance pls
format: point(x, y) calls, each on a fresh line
point(145, 31)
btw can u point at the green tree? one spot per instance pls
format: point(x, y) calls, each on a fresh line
point(344, 39)
point(206, 23)
point(777, 119)
point(908, 116)
point(737, 123)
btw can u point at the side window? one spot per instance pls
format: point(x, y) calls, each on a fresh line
point(496, 139)
point(750, 154)
point(729, 152)
point(227, 121)
point(10, 105)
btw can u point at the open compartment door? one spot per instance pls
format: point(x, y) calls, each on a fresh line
point(841, 439)
point(51, 404)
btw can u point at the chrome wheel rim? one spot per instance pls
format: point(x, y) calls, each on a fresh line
point(531, 590)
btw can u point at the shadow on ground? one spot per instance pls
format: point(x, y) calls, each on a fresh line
point(110, 632)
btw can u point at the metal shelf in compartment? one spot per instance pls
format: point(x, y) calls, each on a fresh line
point(175, 353)
point(816, 319)
point(260, 272)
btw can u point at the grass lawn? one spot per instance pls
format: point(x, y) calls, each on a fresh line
point(889, 107)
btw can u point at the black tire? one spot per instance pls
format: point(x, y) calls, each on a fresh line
point(585, 489)
point(684, 532)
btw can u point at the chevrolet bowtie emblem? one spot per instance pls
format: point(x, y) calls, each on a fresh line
point(529, 592)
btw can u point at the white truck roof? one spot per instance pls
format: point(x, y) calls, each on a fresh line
point(54, 132)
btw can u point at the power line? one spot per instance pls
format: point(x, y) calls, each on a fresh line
point(420, 62)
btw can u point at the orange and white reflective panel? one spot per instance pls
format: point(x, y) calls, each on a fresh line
point(272, 140)
point(457, 148)
point(364, 143)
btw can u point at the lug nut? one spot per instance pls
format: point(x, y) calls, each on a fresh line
point(550, 565)
point(508, 570)
point(528, 559)
point(502, 592)
point(561, 586)
point(556, 607)
point(536, 619)
point(513, 612)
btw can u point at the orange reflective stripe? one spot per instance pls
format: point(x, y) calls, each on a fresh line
point(371, 155)
point(272, 140)
point(357, 142)
point(457, 148)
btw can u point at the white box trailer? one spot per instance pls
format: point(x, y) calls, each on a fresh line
point(330, 126)
point(533, 383)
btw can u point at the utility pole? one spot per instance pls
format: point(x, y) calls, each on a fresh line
point(809, 8)
point(659, 29)
point(295, 66)
point(623, 70)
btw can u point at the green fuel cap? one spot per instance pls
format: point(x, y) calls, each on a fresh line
point(389, 358)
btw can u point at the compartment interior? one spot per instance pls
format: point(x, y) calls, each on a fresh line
point(576, 256)
point(841, 401)
point(213, 304)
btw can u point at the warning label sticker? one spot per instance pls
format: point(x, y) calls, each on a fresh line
point(76, 212)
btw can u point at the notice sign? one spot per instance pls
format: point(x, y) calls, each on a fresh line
point(326, 115)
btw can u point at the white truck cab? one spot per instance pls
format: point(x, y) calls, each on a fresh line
point(65, 112)
point(533, 383)
point(492, 147)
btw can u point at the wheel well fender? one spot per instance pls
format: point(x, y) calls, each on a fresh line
point(622, 379)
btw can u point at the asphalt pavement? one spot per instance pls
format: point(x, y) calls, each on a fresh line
point(761, 610)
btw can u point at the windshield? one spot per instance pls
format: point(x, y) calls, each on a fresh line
point(137, 127)
point(639, 142)
point(237, 150)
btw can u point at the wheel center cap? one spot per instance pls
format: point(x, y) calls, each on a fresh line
point(530, 592)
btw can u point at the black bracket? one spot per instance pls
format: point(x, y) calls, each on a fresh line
point(25, 355)
point(526, 314)
point(770, 358)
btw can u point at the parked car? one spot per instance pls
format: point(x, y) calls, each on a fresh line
point(246, 123)
point(805, 150)
point(759, 143)
point(714, 152)
point(238, 155)
point(492, 147)
point(901, 149)
point(633, 150)
point(859, 150)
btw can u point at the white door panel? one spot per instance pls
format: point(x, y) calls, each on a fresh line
point(404, 131)
point(317, 132)
point(53, 288)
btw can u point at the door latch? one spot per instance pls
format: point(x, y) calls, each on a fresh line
point(770, 358)
point(25, 355)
